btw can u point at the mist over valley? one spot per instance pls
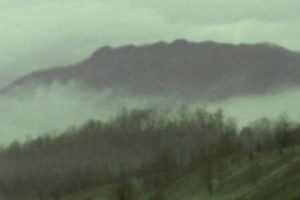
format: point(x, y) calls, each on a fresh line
point(149, 100)
point(247, 82)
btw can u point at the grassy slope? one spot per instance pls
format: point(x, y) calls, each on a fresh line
point(269, 177)
point(277, 178)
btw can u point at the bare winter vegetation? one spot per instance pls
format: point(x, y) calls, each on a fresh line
point(155, 148)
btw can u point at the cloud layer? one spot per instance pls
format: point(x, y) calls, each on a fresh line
point(52, 110)
point(37, 34)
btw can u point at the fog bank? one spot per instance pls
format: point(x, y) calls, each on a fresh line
point(52, 110)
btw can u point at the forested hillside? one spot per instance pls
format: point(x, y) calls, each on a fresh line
point(154, 150)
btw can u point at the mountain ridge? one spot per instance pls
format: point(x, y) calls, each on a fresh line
point(206, 70)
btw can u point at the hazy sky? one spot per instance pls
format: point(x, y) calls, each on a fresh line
point(38, 34)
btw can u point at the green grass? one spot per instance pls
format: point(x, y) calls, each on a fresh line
point(269, 177)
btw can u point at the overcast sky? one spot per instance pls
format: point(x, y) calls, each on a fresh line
point(37, 34)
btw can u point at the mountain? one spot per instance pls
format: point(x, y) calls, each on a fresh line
point(207, 70)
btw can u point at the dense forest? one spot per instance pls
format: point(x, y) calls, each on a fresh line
point(153, 146)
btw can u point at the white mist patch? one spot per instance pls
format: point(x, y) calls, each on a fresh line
point(246, 109)
point(46, 111)
point(53, 110)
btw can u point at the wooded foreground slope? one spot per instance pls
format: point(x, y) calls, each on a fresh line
point(151, 152)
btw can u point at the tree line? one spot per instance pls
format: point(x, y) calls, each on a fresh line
point(151, 145)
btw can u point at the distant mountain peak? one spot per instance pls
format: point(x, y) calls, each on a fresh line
point(179, 43)
point(207, 70)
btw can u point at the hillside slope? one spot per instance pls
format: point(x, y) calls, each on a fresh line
point(268, 177)
point(145, 154)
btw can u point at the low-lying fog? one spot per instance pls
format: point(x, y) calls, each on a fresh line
point(54, 109)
